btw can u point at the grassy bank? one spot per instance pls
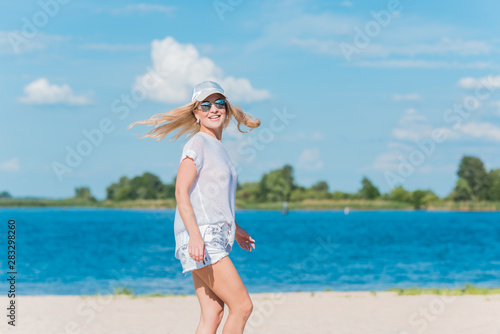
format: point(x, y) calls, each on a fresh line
point(466, 206)
point(467, 290)
point(75, 202)
point(309, 204)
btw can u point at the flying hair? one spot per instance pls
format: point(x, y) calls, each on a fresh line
point(183, 120)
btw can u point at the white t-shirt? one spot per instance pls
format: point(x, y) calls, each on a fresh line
point(213, 192)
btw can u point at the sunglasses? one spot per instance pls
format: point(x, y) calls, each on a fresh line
point(219, 104)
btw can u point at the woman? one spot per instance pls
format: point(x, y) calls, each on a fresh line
point(204, 225)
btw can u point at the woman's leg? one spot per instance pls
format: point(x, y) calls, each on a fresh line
point(212, 307)
point(223, 280)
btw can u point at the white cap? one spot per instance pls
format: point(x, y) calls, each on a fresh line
point(206, 88)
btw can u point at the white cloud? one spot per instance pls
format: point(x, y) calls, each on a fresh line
point(41, 91)
point(414, 131)
point(490, 82)
point(302, 136)
point(312, 25)
point(415, 127)
point(179, 67)
point(391, 160)
point(432, 45)
point(144, 8)
point(443, 47)
point(318, 136)
point(11, 165)
point(302, 30)
point(497, 105)
point(387, 161)
point(346, 4)
point(240, 89)
point(428, 64)
point(15, 43)
point(328, 47)
point(480, 130)
point(114, 47)
point(412, 126)
point(395, 145)
point(309, 159)
point(396, 155)
point(407, 97)
point(425, 169)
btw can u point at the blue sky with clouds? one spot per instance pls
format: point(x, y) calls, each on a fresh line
point(397, 91)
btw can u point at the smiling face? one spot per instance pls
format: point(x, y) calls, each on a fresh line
point(214, 118)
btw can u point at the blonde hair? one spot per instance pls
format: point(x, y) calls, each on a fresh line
point(183, 118)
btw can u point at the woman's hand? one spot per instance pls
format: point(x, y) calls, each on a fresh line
point(196, 248)
point(243, 239)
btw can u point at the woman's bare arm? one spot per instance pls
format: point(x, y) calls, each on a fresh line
point(243, 238)
point(185, 178)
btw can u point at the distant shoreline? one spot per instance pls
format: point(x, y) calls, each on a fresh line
point(442, 205)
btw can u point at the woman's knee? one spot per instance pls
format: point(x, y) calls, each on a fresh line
point(245, 308)
point(249, 307)
point(213, 317)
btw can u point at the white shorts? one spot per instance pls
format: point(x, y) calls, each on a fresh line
point(218, 244)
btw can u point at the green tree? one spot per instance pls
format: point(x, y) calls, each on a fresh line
point(169, 189)
point(462, 191)
point(417, 197)
point(429, 199)
point(277, 185)
point(399, 194)
point(339, 195)
point(320, 186)
point(124, 193)
point(5, 194)
point(472, 170)
point(319, 190)
point(249, 192)
point(146, 186)
point(298, 194)
point(84, 193)
point(368, 190)
point(120, 190)
point(494, 185)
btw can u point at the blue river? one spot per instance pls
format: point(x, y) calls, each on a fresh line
point(72, 251)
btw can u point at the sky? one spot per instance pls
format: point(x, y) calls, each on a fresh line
point(397, 91)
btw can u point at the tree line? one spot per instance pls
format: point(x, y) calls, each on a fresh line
point(474, 183)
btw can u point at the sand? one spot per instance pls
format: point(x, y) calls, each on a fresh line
point(298, 312)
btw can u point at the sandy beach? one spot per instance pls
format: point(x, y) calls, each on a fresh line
point(299, 312)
